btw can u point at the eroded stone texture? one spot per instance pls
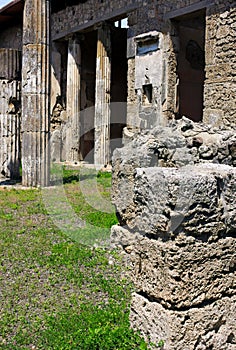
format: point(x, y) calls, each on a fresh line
point(10, 146)
point(180, 274)
point(210, 327)
point(176, 206)
point(10, 111)
point(35, 94)
point(220, 84)
point(195, 200)
point(102, 97)
point(73, 100)
point(184, 143)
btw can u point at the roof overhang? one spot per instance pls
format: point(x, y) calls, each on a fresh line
point(11, 13)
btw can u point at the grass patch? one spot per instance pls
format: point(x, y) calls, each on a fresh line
point(54, 292)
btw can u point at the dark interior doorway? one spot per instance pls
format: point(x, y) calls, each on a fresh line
point(118, 89)
point(119, 68)
point(191, 65)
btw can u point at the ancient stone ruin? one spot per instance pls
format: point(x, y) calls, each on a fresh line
point(78, 77)
point(81, 78)
point(174, 190)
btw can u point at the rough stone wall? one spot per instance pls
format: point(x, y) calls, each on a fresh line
point(89, 11)
point(220, 84)
point(145, 16)
point(174, 191)
point(149, 14)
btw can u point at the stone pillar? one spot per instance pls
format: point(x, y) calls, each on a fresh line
point(10, 129)
point(10, 113)
point(102, 97)
point(35, 93)
point(73, 100)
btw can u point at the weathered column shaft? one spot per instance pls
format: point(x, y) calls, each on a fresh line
point(35, 93)
point(10, 112)
point(73, 100)
point(10, 129)
point(10, 64)
point(102, 97)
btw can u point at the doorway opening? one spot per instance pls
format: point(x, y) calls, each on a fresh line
point(119, 69)
point(190, 65)
point(118, 88)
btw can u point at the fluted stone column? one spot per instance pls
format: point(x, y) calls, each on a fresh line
point(35, 93)
point(10, 113)
point(102, 97)
point(73, 100)
point(10, 129)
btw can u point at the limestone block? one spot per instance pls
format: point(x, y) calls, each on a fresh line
point(211, 326)
point(152, 147)
point(184, 143)
point(196, 200)
point(222, 32)
point(178, 274)
point(210, 52)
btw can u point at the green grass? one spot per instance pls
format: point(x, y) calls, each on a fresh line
point(56, 293)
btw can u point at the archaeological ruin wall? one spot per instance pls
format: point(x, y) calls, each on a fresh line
point(173, 53)
point(220, 83)
point(10, 95)
point(117, 67)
